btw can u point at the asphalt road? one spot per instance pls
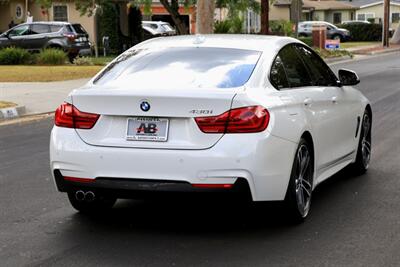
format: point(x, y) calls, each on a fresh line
point(355, 221)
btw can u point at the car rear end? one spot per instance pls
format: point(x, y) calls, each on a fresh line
point(77, 40)
point(167, 120)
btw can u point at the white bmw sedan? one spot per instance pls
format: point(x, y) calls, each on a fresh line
point(210, 113)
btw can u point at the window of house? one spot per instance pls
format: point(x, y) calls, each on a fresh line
point(395, 17)
point(60, 13)
point(365, 16)
point(337, 18)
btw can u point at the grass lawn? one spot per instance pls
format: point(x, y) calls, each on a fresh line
point(356, 44)
point(102, 60)
point(46, 73)
point(6, 104)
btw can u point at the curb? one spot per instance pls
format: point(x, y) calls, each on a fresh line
point(336, 59)
point(384, 51)
point(12, 113)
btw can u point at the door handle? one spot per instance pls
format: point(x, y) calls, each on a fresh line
point(334, 99)
point(308, 101)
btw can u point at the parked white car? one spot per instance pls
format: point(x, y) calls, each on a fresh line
point(210, 113)
point(159, 27)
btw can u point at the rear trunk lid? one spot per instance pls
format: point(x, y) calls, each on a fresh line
point(117, 106)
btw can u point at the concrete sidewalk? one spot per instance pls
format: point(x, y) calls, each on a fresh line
point(39, 97)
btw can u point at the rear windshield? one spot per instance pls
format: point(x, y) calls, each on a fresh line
point(181, 68)
point(78, 28)
point(167, 27)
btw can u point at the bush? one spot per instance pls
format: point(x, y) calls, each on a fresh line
point(108, 26)
point(222, 26)
point(364, 32)
point(306, 40)
point(52, 56)
point(236, 25)
point(83, 61)
point(14, 56)
point(281, 27)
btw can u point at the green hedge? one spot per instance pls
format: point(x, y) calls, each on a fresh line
point(51, 56)
point(14, 56)
point(364, 32)
point(306, 40)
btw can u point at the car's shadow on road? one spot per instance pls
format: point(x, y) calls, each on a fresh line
point(200, 230)
point(202, 215)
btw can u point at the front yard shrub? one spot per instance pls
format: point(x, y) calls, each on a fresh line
point(14, 56)
point(51, 56)
point(306, 40)
point(222, 26)
point(83, 61)
point(364, 32)
point(281, 27)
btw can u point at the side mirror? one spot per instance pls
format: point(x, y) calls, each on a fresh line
point(348, 77)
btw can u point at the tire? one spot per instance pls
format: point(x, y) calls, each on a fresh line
point(97, 205)
point(299, 192)
point(363, 158)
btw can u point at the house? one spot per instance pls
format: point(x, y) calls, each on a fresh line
point(373, 10)
point(64, 10)
point(328, 10)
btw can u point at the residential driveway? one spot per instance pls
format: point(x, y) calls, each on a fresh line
point(39, 97)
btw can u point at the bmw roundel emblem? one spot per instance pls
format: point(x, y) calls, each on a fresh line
point(145, 106)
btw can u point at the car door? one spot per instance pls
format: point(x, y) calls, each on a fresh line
point(17, 35)
point(343, 114)
point(314, 102)
point(38, 36)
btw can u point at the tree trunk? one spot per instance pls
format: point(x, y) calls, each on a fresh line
point(265, 17)
point(295, 13)
point(396, 36)
point(173, 10)
point(205, 16)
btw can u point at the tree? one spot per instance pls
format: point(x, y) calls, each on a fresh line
point(265, 17)
point(172, 6)
point(205, 16)
point(236, 8)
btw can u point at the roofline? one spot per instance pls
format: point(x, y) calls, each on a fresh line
point(378, 3)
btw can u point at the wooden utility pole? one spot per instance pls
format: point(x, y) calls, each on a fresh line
point(386, 14)
point(205, 16)
point(265, 17)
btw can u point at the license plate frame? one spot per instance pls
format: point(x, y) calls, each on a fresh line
point(142, 124)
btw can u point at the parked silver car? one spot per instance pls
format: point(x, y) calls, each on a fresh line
point(332, 32)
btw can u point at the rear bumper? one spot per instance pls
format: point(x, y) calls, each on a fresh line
point(134, 188)
point(262, 160)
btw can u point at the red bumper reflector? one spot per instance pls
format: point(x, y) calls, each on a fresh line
point(227, 186)
point(78, 180)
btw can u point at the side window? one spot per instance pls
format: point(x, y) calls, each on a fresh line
point(296, 72)
point(320, 72)
point(278, 76)
point(40, 28)
point(19, 31)
point(55, 28)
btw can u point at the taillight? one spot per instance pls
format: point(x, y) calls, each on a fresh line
point(70, 117)
point(239, 120)
point(71, 36)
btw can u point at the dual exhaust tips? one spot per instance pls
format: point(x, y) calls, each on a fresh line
point(88, 196)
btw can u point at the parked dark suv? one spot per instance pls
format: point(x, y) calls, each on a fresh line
point(72, 38)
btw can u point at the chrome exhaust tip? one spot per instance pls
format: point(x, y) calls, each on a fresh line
point(89, 196)
point(79, 195)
